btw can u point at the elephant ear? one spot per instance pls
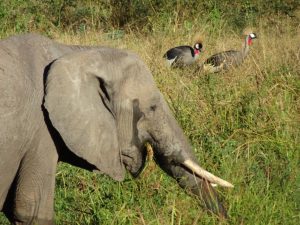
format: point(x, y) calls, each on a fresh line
point(79, 108)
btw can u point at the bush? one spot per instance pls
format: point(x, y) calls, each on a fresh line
point(73, 15)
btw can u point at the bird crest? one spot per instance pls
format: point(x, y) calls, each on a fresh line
point(248, 30)
point(198, 39)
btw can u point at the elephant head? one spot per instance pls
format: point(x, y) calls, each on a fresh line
point(105, 105)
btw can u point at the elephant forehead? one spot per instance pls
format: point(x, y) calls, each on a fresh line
point(139, 87)
point(102, 55)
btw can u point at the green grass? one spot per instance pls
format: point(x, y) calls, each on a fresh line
point(243, 125)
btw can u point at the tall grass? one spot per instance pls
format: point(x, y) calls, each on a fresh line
point(243, 125)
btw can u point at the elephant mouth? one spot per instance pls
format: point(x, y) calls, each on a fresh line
point(135, 163)
point(136, 173)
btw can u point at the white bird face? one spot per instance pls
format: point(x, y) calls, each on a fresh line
point(252, 35)
point(198, 46)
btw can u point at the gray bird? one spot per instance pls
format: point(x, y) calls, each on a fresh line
point(183, 55)
point(227, 59)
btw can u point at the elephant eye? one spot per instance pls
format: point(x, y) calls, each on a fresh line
point(153, 108)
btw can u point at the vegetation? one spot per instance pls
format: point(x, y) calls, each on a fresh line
point(243, 124)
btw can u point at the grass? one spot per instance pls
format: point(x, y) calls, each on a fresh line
point(243, 125)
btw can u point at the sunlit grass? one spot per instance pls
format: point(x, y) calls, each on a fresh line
point(243, 125)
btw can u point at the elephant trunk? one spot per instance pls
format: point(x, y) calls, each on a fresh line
point(170, 142)
point(174, 155)
point(199, 187)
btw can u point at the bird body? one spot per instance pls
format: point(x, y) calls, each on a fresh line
point(227, 59)
point(183, 55)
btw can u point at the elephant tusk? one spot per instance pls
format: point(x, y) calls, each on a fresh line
point(214, 180)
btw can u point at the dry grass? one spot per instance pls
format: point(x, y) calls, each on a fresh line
point(243, 125)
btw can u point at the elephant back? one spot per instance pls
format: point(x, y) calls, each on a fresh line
point(23, 59)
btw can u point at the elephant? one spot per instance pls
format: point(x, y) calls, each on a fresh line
point(91, 106)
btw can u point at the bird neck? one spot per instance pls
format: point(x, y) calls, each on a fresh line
point(246, 48)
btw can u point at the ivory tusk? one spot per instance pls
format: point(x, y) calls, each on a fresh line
point(214, 180)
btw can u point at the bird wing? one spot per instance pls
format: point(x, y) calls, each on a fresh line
point(220, 58)
point(178, 52)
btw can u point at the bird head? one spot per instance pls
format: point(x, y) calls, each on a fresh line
point(198, 48)
point(250, 37)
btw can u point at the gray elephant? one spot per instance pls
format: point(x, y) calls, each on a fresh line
point(93, 107)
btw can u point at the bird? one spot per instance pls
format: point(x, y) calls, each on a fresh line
point(223, 61)
point(183, 55)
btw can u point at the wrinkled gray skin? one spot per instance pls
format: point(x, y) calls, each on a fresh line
point(93, 107)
